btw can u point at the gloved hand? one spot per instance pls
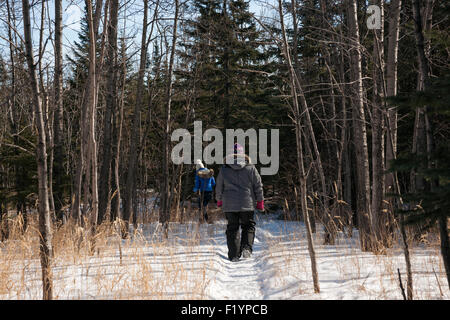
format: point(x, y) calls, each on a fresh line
point(260, 205)
point(219, 204)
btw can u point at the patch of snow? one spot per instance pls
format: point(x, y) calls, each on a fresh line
point(193, 264)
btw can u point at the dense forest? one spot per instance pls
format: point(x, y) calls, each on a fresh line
point(359, 91)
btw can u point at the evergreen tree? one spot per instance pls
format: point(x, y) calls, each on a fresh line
point(430, 205)
point(223, 48)
point(19, 188)
point(79, 62)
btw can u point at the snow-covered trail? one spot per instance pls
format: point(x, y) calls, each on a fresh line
point(238, 280)
point(242, 280)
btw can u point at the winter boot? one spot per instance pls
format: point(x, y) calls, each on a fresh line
point(246, 254)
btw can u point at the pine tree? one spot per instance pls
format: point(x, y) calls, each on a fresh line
point(223, 48)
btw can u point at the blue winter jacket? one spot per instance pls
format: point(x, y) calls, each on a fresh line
point(203, 184)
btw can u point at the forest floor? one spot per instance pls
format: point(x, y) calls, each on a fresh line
point(193, 264)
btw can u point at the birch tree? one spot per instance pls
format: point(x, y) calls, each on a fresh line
point(392, 83)
point(45, 232)
point(363, 206)
point(378, 122)
point(91, 104)
point(391, 91)
point(58, 143)
point(87, 159)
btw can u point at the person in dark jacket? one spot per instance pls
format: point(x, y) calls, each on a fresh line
point(239, 188)
point(204, 183)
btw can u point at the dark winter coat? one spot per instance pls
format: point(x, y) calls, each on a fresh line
point(239, 185)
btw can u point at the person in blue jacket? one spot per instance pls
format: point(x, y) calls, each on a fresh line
point(204, 183)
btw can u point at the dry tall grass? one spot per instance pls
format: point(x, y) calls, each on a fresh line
point(185, 266)
point(144, 266)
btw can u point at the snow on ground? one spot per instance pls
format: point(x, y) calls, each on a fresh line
point(193, 264)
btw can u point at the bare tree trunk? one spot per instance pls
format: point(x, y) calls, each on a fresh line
point(409, 285)
point(117, 136)
point(360, 135)
point(76, 194)
point(111, 105)
point(180, 168)
point(422, 138)
point(115, 182)
point(58, 169)
point(45, 248)
point(300, 162)
point(226, 70)
point(378, 221)
point(133, 156)
point(165, 214)
point(345, 145)
point(47, 115)
point(391, 114)
point(91, 100)
point(341, 147)
point(391, 84)
point(330, 229)
point(87, 159)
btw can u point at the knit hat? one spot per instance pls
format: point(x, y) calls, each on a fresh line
point(198, 164)
point(238, 149)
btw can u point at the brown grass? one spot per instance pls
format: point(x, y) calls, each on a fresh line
point(148, 266)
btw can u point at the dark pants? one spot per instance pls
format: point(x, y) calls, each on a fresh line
point(203, 200)
point(236, 243)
